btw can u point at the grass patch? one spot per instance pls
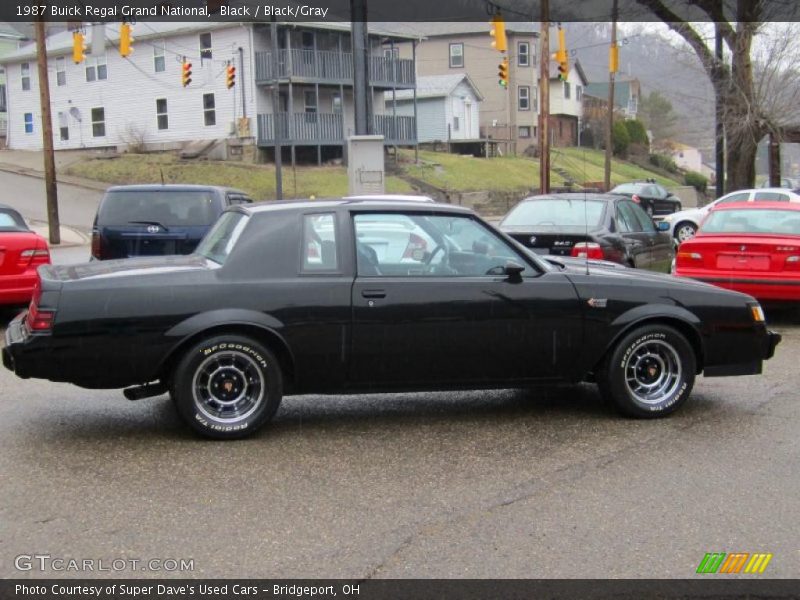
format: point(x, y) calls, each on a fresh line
point(593, 162)
point(257, 180)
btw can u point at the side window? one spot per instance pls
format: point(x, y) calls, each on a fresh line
point(626, 217)
point(770, 197)
point(420, 245)
point(319, 243)
point(741, 197)
point(644, 220)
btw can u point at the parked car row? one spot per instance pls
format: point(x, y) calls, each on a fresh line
point(354, 295)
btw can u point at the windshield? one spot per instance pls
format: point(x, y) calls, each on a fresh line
point(555, 213)
point(775, 221)
point(218, 243)
point(168, 209)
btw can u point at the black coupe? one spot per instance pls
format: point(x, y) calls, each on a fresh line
point(353, 296)
point(653, 198)
point(599, 226)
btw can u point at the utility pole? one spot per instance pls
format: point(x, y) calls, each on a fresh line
point(719, 144)
point(276, 100)
point(358, 30)
point(47, 137)
point(544, 93)
point(613, 65)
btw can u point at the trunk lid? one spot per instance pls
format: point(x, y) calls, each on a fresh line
point(132, 267)
point(744, 253)
point(12, 245)
point(556, 244)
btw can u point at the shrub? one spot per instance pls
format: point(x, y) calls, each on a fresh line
point(636, 131)
point(663, 161)
point(697, 180)
point(621, 139)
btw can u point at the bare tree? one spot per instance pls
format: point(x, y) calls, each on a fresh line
point(754, 101)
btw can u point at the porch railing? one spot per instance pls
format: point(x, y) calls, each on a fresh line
point(333, 67)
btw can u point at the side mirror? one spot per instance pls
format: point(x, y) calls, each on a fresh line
point(514, 270)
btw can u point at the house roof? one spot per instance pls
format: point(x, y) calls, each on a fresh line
point(443, 29)
point(436, 86)
point(61, 43)
point(8, 31)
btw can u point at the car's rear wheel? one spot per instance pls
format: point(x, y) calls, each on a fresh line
point(650, 372)
point(684, 231)
point(227, 386)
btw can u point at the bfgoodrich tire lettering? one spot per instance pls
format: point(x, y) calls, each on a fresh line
point(227, 386)
point(650, 372)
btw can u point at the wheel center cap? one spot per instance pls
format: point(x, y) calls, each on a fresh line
point(227, 385)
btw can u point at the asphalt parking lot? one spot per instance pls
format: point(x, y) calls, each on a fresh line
point(511, 483)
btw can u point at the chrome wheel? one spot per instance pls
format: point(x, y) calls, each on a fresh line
point(684, 231)
point(653, 371)
point(228, 386)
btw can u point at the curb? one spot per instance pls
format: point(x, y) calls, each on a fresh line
point(68, 180)
point(71, 237)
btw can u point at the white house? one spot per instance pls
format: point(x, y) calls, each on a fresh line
point(566, 104)
point(448, 107)
point(112, 101)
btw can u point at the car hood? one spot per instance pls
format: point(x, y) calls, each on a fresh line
point(108, 269)
point(689, 213)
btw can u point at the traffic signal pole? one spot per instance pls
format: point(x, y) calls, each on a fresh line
point(47, 137)
point(612, 70)
point(544, 92)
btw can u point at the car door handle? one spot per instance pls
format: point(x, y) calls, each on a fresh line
point(373, 293)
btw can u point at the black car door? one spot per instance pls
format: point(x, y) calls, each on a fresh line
point(638, 245)
point(441, 312)
point(659, 242)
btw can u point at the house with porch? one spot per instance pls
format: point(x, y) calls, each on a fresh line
point(110, 101)
point(10, 40)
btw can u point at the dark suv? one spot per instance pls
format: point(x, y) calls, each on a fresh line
point(148, 220)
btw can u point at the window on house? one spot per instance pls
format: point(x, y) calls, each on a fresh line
point(336, 104)
point(523, 54)
point(524, 97)
point(524, 131)
point(456, 56)
point(566, 90)
point(159, 58)
point(98, 122)
point(310, 101)
point(205, 46)
point(25, 75)
point(578, 93)
point(96, 68)
point(61, 71)
point(209, 110)
point(3, 106)
point(161, 113)
point(391, 53)
point(455, 123)
point(28, 122)
point(63, 126)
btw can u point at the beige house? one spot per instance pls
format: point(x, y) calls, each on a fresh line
point(509, 115)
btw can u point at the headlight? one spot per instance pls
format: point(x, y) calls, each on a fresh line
point(667, 219)
point(757, 312)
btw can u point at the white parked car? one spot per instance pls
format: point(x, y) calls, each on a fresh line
point(684, 224)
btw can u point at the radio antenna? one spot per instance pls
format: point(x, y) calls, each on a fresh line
point(585, 213)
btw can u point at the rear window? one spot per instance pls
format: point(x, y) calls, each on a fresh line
point(11, 221)
point(168, 209)
point(628, 188)
point(220, 241)
point(556, 213)
point(753, 221)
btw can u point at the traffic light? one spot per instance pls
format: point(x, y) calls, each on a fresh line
point(125, 39)
point(561, 56)
point(230, 76)
point(613, 59)
point(498, 32)
point(186, 73)
point(78, 47)
point(502, 73)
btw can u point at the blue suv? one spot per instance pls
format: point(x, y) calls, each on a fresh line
point(150, 220)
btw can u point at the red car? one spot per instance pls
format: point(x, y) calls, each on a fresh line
point(21, 252)
point(748, 247)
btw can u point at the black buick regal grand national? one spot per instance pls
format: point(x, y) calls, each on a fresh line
point(350, 296)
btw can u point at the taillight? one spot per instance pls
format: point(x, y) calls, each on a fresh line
point(97, 248)
point(36, 256)
point(688, 259)
point(636, 199)
point(792, 263)
point(587, 250)
point(416, 247)
point(37, 319)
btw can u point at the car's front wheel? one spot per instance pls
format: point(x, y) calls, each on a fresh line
point(650, 372)
point(227, 386)
point(684, 231)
